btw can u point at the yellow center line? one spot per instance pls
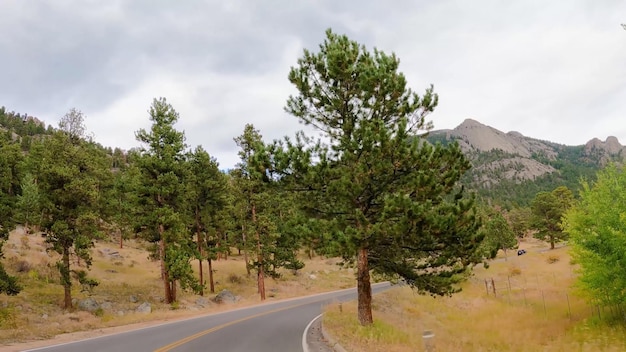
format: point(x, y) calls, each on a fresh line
point(219, 327)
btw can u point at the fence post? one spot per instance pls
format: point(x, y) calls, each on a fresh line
point(509, 280)
point(429, 340)
point(544, 303)
point(487, 287)
point(569, 308)
point(493, 284)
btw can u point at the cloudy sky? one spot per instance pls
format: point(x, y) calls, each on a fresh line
point(554, 70)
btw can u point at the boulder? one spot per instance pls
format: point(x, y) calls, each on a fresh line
point(88, 304)
point(202, 301)
point(225, 297)
point(145, 308)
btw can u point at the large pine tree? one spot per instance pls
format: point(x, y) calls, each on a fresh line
point(389, 197)
point(72, 175)
point(161, 196)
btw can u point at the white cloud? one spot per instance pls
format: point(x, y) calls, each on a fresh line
point(551, 70)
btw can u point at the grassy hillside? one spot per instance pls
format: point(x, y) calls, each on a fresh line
point(127, 279)
point(535, 308)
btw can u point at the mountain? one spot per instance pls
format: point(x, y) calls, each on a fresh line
point(510, 168)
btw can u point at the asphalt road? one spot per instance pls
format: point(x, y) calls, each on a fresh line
point(270, 327)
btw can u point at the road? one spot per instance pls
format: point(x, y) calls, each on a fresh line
point(269, 327)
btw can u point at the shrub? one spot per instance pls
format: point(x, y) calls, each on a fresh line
point(553, 259)
point(8, 318)
point(515, 271)
point(22, 266)
point(235, 279)
point(25, 242)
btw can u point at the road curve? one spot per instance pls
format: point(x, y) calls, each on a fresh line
point(268, 327)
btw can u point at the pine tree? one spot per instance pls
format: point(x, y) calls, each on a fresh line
point(29, 202)
point(161, 192)
point(10, 160)
point(263, 209)
point(207, 198)
point(389, 197)
point(497, 233)
point(548, 209)
point(71, 181)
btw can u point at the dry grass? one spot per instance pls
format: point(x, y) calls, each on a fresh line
point(534, 310)
point(128, 280)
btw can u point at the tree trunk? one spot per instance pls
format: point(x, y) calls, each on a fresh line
point(245, 250)
point(551, 242)
point(173, 292)
point(121, 239)
point(201, 276)
point(211, 283)
point(199, 241)
point(65, 277)
point(164, 274)
point(260, 270)
point(261, 281)
point(364, 289)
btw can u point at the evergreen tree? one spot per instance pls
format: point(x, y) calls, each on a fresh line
point(122, 200)
point(207, 198)
point(262, 211)
point(71, 181)
point(10, 160)
point(547, 212)
point(29, 202)
point(497, 234)
point(519, 220)
point(390, 197)
point(161, 192)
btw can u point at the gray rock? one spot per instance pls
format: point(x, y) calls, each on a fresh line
point(120, 313)
point(312, 277)
point(106, 305)
point(44, 316)
point(133, 299)
point(202, 301)
point(225, 297)
point(145, 308)
point(88, 304)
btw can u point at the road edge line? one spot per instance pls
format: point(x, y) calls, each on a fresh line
point(305, 345)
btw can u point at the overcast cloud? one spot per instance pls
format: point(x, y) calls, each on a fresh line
point(554, 70)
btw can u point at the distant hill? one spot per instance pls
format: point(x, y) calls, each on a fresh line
point(510, 168)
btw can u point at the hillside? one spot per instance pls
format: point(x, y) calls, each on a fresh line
point(130, 280)
point(510, 168)
point(523, 303)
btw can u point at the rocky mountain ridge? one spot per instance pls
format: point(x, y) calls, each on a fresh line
point(511, 159)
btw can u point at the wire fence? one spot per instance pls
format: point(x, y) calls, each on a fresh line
point(548, 297)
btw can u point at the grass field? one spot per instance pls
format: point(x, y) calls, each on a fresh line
point(127, 279)
point(535, 308)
